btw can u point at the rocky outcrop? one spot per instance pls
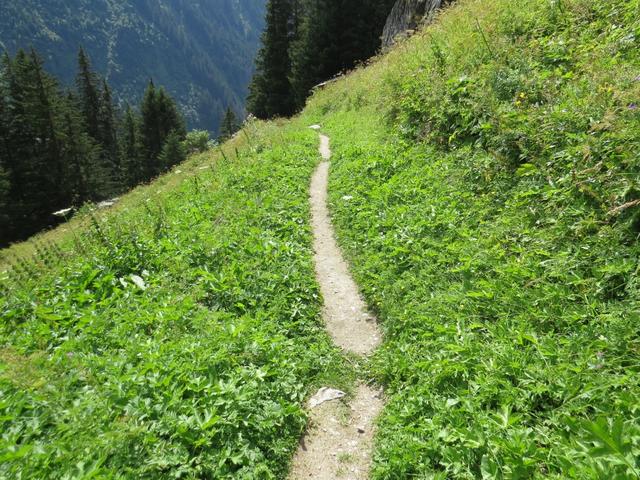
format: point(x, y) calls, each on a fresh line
point(406, 15)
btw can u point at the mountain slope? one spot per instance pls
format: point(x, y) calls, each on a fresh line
point(491, 210)
point(485, 185)
point(202, 52)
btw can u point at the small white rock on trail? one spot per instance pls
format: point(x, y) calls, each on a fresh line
point(339, 441)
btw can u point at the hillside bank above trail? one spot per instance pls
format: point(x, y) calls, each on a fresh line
point(486, 187)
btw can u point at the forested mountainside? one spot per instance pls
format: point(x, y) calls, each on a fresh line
point(202, 52)
point(61, 148)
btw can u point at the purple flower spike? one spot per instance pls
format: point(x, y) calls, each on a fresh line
point(633, 106)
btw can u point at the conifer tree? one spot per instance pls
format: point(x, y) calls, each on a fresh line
point(307, 42)
point(149, 131)
point(10, 148)
point(85, 178)
point(229, 125)
point(89, 95)
point(270, 90)
point(334, 36)
point(36, 164)
point(131, 150)
point(170, 117)
point(173, 151)
point(96, 105)
point(5, 113)
point(60, 150)
point(5, 188)
point(160, 117)
point(46, 111)
point(108, 132)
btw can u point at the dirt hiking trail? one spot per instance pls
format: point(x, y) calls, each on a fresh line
point(345, 313)
point(339, 440)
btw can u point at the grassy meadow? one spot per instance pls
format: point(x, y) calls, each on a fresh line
point(485, 186)
point(176, 336)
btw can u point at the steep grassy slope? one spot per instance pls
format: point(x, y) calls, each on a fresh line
point(486, 185)
point(182, 336)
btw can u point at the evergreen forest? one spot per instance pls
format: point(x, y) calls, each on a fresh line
point(61, 148)
point(307, 42)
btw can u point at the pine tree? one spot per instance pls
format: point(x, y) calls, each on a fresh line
point(5, 215)
point(173, 151)
point(36, 163)
point(131, 149)
point(89, 95)
point(47, 105)
point(6, 150)
point(271, 93)
point(170, 118)
point(229, 125)
point(96, 104)
point(108, 133)
point(85, 178)
point(334, 36)
point(160, 117)
point(59, 150)
point(150, 135)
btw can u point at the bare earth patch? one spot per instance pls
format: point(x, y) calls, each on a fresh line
point(338, 443)
point(339, 440)
point(345, 313)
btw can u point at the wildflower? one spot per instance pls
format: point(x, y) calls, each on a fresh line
point(139, 282)
point(633, 106)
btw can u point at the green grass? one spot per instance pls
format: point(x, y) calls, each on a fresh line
point(201, 373)
point(486, 187)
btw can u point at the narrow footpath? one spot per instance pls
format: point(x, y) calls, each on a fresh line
point(339, 440)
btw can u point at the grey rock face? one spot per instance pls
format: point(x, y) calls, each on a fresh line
point(407, 15)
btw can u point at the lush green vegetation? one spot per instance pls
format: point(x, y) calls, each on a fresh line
point(180, 337)
point(486, 188)
point(492, 219)
point(202, 52)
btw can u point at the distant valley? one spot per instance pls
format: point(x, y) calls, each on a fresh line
point(202, 52)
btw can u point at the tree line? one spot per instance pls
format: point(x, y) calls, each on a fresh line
point(64, 147)
point(306, 42)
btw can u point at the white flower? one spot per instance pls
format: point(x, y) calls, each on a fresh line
point(139, 282)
